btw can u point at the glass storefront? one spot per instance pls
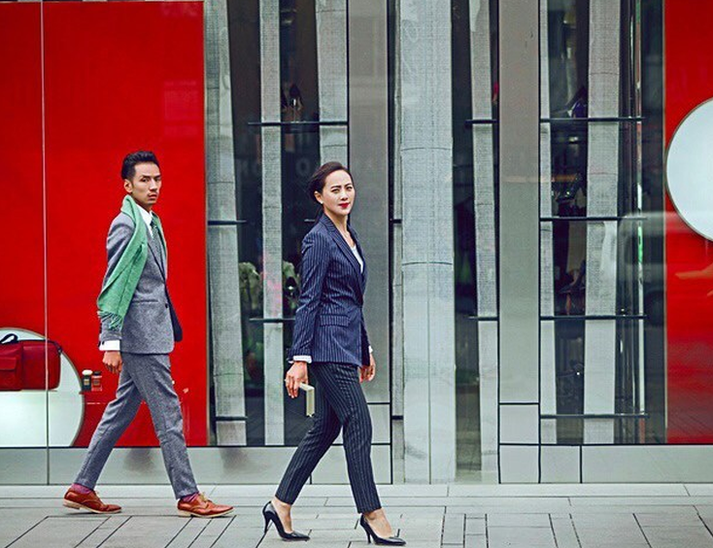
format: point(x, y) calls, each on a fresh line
point(539, 289)
point(602, 286)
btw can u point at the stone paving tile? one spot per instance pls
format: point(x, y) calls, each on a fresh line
point(59, 532)
point(104, 531)
point(146, 531)
point(475, 526)
point(241, 536)
point(518, 506)
point(521, 537)
point(564, 532)
point(606, 535)
point(658, 519)
point(631, 520)
point(572, 490)
point(189, 533)
point(639, 501)
point(13, 523)
point(518, 520)
point(475, 541)
point(326, 524)
point(212, 533)
point(594, 510)
point(453, 529)
point(678, 537)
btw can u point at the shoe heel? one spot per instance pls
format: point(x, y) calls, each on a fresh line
point(70, 504)
point(267, 524)
point(184, 514)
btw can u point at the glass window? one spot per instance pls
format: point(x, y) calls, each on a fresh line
point(602, 290)
point(289, 76)
point(475, 189)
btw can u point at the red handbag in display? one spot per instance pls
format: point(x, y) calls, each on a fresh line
point(22, 364)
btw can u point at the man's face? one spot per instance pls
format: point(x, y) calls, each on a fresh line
point(145, 185)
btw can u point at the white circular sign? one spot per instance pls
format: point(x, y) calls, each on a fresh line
point(689, 169)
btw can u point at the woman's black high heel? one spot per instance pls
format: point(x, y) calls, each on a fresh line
point(370, 534)
point(270, 515)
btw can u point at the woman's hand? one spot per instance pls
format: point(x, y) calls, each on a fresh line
point(296, 375)
point(368, 372)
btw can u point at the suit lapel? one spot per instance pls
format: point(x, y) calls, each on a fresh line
point(361, 254)
point(344, 248)
point(158, 256)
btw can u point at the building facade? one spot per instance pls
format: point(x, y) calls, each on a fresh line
point(539, 292)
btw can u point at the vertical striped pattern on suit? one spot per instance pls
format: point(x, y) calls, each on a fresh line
point(340, 405)
point(329, 324)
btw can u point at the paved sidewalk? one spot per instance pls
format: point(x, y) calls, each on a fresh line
point(427, 516)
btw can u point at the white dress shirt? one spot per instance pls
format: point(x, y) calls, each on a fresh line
point(116, 345)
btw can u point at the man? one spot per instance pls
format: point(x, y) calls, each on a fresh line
point(138, 330)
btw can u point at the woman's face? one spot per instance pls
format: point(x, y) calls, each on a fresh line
point(338, 194)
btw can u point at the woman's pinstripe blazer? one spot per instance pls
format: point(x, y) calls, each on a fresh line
point(329, 323)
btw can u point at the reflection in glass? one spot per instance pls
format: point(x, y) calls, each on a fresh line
point(596, 235)
point(475, 98)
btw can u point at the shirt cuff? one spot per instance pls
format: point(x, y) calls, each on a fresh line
point(306, 359)
point(113, 346)
point(371, 350)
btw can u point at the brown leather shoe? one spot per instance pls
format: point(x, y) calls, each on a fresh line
point(90, 502)
point(201, 507)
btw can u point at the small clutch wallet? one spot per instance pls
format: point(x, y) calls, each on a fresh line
point(309, 398)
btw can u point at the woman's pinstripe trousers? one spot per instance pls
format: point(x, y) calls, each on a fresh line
point(340, 405)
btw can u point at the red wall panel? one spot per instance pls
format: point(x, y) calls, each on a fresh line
point(21, 219)
point(123, 76)
point(688, 82)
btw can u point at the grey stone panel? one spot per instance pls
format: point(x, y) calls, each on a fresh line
point(647, 463)
point(332, 77)
point(23, 466)
point(602, 194)
point(548, 381)
point(519, 190)
point(519, 463)
point(488, 354)
point(519, 424)
point(548, 389)
point(426, 156)
point(223, 256)
point(397, 325)
point(559, 464)
point(226, 334)
point(272, 284)
point(368, 150)
point(144, 465)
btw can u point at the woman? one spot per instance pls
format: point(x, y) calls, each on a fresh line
point(330, 335)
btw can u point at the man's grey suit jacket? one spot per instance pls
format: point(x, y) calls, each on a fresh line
point(147, 326)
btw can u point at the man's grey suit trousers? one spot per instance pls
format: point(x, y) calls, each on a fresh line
point(143, 377)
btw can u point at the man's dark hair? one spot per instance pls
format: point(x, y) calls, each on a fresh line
point(318, 179)
point(128, 167)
